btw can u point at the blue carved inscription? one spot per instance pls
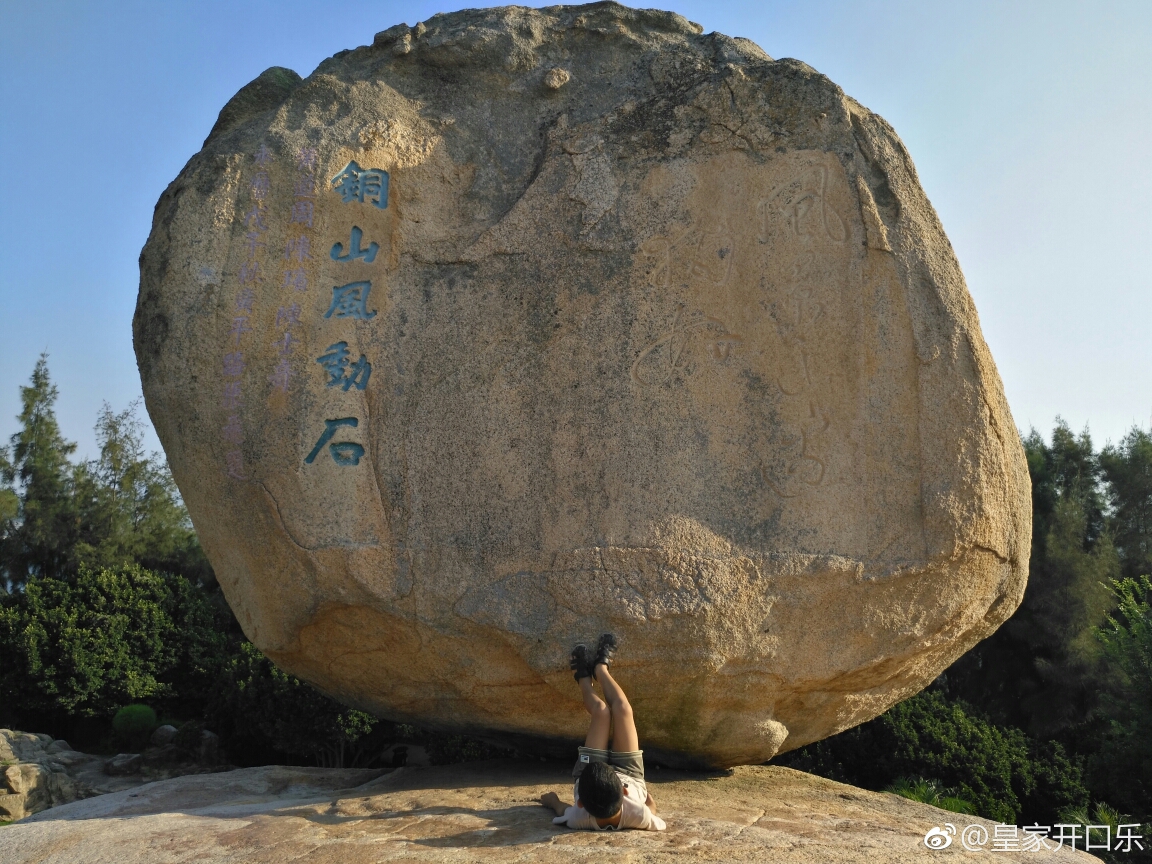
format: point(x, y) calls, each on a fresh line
point(343, 452)
point(341, 371)
point(351, 301)
point(362, 185)
point(354, 250)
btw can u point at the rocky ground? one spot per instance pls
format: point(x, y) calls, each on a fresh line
point(483, 811)
point(38, 772)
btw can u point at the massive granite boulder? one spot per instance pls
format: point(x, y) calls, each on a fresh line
point(520, 325)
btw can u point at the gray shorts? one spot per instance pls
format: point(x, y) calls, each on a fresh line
point(628, 762)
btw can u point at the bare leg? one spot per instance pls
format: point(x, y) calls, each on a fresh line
point(624, 737)
point(601, 724)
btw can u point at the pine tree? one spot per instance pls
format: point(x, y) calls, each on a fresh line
point(1128, 470)
point(130, 506)
point(39, 538)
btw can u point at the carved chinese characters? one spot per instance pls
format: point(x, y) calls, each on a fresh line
point(350, 301)
point(249, 276)
point(758, 293)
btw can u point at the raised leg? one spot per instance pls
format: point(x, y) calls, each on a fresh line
point(624, 737)
point(600, 726)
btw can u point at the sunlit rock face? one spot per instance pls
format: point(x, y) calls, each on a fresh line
point(521, 325)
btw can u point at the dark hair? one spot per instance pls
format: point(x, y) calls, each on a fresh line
point(601, 792)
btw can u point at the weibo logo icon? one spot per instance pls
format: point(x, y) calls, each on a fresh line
point(940, 838)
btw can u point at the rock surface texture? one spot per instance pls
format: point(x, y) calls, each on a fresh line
point(486, 812)
point(34, 773)
point(37, 772)
point(520, 325)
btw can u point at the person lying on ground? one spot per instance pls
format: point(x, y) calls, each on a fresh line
point(609, 791)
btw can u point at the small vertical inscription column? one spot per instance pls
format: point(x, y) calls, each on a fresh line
point(250, 275)
point(297, 253)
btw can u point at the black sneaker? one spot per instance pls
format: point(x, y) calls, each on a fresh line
point(605, 649)
point(579, 663)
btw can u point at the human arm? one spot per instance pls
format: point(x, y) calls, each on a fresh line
point(552, 801)
point(649, 803)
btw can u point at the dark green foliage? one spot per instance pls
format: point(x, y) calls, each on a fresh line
point(79, 649)
point(1003, 774)
point(188, 737)
point(1103, 823)
point(133, 724)
point(450, 749)
point(1123, 763)
point(259, 707)
point(264, 714)
point(1128, 470)
point(86, 646)
point(1041, 670)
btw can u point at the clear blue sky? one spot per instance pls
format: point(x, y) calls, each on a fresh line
point(1030, 124)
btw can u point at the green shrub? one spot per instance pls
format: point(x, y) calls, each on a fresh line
point(929, 792)
point(134, 723)
point(257, 708)
point(450, 749)
point(1104, 822)
point(1001, 772)
point(83, 647)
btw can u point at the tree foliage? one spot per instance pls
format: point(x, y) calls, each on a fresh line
point(41, 535)
point(1127, 468)
point(1000, 771)
point(1123, 762)
point(259, 705)
point(131, 510)
point(85, 646)
point(121, 508)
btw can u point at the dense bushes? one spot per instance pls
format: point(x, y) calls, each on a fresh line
point(83, 647)
point(257, 707)
point(1004, 774)
point(133, 724)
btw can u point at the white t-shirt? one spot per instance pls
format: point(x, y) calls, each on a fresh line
point(634, 812)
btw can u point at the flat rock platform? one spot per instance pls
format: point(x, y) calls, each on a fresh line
point(480, 812)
